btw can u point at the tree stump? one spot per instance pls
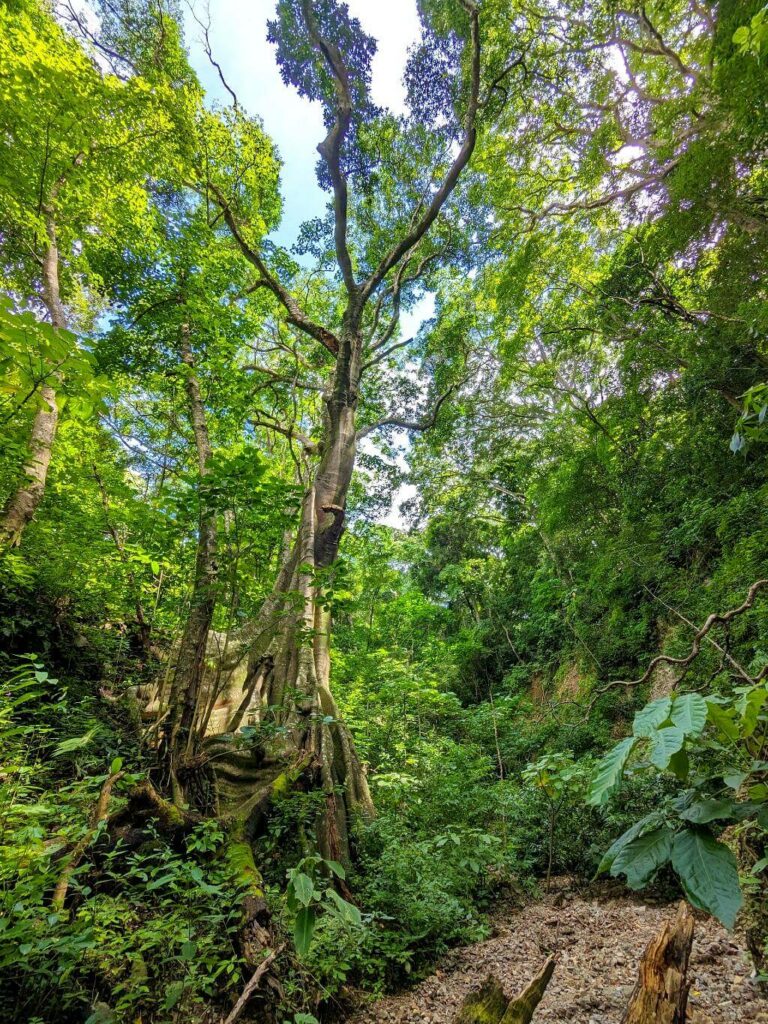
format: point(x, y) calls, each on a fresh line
point(490, 1005)
point(661, 992)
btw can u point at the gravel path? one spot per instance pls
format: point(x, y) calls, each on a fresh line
point(598, 941)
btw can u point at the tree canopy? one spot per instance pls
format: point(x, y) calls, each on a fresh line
point(259, 749)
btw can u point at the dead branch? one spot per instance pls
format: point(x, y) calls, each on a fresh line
point(425, 423)
point(253, 984)
point(98, 815)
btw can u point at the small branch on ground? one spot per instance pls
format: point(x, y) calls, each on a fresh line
point(253, 984)
point(98, 815)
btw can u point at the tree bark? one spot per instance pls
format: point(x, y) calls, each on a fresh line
point(22, 505)
point(661, 992)
point(190, 660)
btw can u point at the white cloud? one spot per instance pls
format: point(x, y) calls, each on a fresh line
point(395, 26)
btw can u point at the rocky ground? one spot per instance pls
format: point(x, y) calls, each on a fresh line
point(598, 939)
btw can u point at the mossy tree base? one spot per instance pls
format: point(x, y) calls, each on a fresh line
point(490, 1005)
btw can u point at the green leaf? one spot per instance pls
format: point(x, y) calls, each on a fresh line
point(734, 779)
point(750, 704)
point(707, 870)
point(723, 720)
point(116, 765)
point(303, 888)
point(348, 911)
point(173, 994)
point(641, 858)
point(709, 810)
point(76, 743)
point(664, 743)
point(336, 868)
point(157, 883)
point(645, 824)
point(303, 929)
point(741, 35)
point(679, 765)
point(649, 718)
point(689, 713)
point(188, 950)
point(608, 774)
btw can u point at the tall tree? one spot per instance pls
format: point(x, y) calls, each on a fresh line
point(71, 176)
point(391, 224)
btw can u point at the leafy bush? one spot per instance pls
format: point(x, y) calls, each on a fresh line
point(713, 748)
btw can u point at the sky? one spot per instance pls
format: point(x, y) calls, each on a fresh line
point(238, 35)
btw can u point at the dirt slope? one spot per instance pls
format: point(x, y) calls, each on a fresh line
point(598, 941)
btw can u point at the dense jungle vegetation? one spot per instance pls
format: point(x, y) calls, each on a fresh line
point(243, 722)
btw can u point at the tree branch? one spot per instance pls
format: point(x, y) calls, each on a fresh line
point(296, 314)
point(253, 984)
point(715, 619)
point(425, 423)
point(310, 447)
point(330, 148)
point(206, 29)
point(442, 195)
point(385, 352)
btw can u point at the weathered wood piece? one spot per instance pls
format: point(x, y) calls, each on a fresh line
point(661, 992)
point(490, 1005)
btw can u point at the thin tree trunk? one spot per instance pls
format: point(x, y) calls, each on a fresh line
point(22, 505)
point(144, 628)
point(190, 661)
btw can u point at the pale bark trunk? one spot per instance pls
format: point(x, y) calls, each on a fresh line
point(190, 661)
point(22, 505)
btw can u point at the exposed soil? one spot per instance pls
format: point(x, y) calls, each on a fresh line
point(598, 939)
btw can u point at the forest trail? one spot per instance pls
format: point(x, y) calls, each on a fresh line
point(598, 940)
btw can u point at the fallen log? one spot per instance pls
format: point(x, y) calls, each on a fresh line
point(490, 1005)
point(661, 992)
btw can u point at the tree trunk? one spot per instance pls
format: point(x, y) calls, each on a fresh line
point(284, 666)
point(661, 992)
point(190, 661)
point(22, 505)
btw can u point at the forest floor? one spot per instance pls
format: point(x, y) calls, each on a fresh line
point(598, 936)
